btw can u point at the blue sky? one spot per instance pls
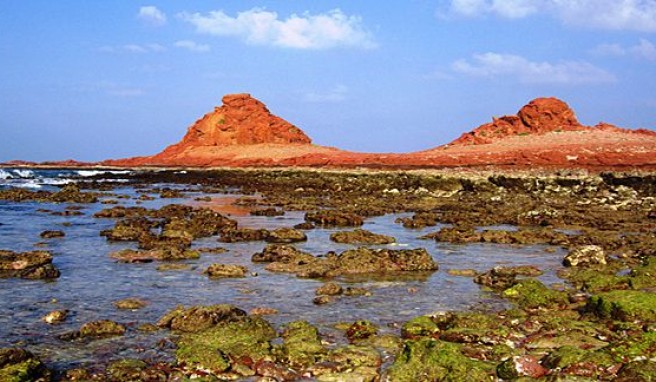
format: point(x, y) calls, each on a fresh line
point(92, 80)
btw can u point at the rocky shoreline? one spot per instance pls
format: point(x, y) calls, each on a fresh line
point(597, 323)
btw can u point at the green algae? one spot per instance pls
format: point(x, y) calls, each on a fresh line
point(421, 326)
point(531, 293)
point(431, 360)
point(563, 357)
point(301, 344)
point(624, 305)
point(247, 337)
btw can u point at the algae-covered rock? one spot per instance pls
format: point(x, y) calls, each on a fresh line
point(421, 326)
point(286, 236)
point(334, 218)
point(101, 329)
point(624, 305)
point(27, 265)
point(244, 338)
point(563, 357)
point(361, 330)
point(329, 289)
point(432, 360)
point(584, 256)
point(361, 236)
point(639, 371)
point(301, 344)
point(500, 278)
point(128, 370)
point(226, 271)
point(198, 318)
point(520, 366)
point(19, 365)
point(352, 363)
point(531, 293)
point(130, 303)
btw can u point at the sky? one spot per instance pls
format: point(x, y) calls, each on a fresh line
point(92, 80)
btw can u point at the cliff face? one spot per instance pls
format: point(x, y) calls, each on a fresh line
point(241, 120)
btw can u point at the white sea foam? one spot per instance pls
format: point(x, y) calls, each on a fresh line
point(86, 173)
point(24, 173)
point(5, 174)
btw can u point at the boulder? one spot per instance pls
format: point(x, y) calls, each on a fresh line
point(585, 255)
point(27, 265)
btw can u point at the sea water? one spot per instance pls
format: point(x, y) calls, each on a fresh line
point(91, 281)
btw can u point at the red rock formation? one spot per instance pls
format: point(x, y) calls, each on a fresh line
point(545, 133)
point(242, 120)
point(540, 116)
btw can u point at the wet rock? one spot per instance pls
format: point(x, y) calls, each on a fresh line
point(126, 370)
point(55, 317)
point(432, 360)
point(322, 300)
point(419, 220)
point(334, 218)
point(101, 329)
point(585, 256)
point(198, 318)
point(422, 326)
point(168, 193)
point(521, 366)
point(305, 226)
point(531, 293)
point(355, 261)
point(243, 234)
point(361, 236)
point(272, 372)
point(130, 229)
point(329, 289)
point(286, 236)
point(638, 371)
point(243, 340)
point(173, 267)
point(18, 365)
point(270, 212)
point(501, 278)
point(356, 292)
point(624, 305)
point(564, 357)
point(212, 250)
point(130, 304)
point(301, 344)
point(352, 363)
point(463, 272)
point(27, 265)
point(226, 271)
point(52, 234)
point(147, 256)
point(121, 212)
point(361, 330)
point(263, 311)
point(280, 253)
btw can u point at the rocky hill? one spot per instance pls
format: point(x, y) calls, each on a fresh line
point(543, 133)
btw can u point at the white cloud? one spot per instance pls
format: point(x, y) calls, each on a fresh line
point(152, 16)
point(307, 31)
point(644, 49)
point(133, 48)
point(336, 94)
point(192, 46)
point(637, 15)
point(495, 65)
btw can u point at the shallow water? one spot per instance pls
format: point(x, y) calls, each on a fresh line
point(91, 281)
